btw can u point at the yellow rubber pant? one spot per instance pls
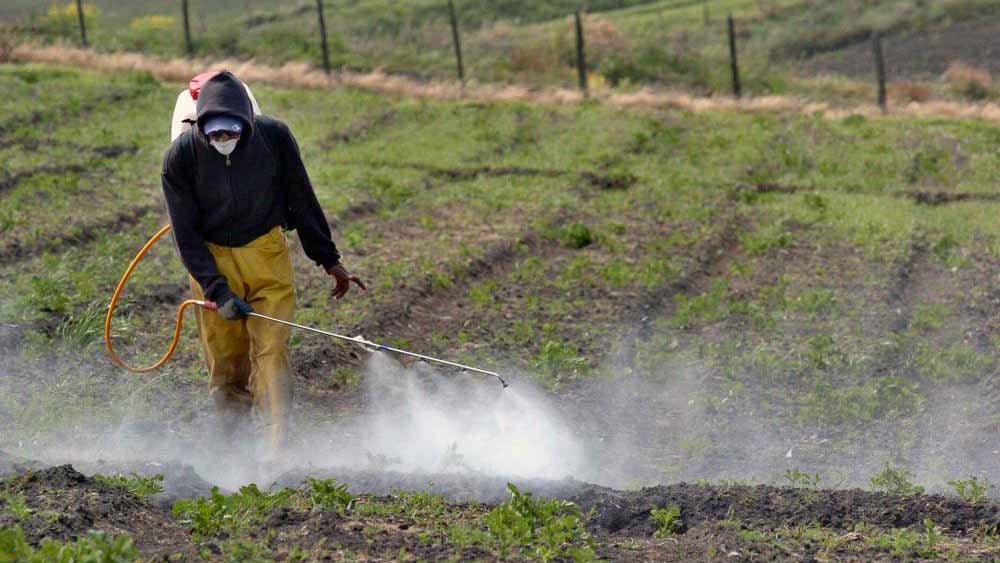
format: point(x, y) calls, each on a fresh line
point(249, 370)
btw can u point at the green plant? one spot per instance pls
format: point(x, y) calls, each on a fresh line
point(48, 295)
point(900, 541)
point(815, 301)
point(541, 528)
point(775, 235)
point(798, 478)
point(140, 485)
point(329, 495)
point(219, 512)
point(931, 538)
point(79, 329)
point(576, 235)
point(421, 505)
point(822, 352)
point(930, 316)
point(345, 378)
point(707, 307)
point(95, 547)
point(972, 489)
point(559, 359)
point(896, 481)
point(16, 506)
point(668, 521)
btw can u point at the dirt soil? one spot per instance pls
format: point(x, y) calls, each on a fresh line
point(66, 504)
point(921, 54)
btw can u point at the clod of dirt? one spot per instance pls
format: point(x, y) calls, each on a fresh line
point(610, 181)
point(180, 481)
point(939, 198)
point(65, 505)
point(766, 507)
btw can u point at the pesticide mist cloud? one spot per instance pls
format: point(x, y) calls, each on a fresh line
point(418, 419)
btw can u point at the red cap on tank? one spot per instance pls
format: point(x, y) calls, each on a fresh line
point(195, 85)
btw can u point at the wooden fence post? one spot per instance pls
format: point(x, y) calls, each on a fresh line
point(733, 63)
point(457, 41)
point(581, 56)
point(83, 26)
point(879, 69)
point(187, 29)
point(322, 33)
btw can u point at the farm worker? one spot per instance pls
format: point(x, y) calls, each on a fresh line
point(233, 182)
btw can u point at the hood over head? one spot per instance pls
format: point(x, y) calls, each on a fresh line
point(225, 94)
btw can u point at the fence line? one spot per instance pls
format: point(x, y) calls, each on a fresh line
point(581, 55)
point(303, 75)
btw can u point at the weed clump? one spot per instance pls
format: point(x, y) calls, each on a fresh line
point(802, 479)
point(17, 507)
point(230, 513)
point(895, 481)
point(668, 521)
point(139, 485)
point(972, 490)
point(576, 235)
point(544, 529)
point(327, 494)
point(95, 546)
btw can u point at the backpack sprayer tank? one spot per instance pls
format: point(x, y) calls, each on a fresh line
point(186, 111)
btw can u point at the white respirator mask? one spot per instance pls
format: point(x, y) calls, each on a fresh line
point(225, 147)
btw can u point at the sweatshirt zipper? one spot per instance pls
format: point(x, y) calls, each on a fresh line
point(232, 198)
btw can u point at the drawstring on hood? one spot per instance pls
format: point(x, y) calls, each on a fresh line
point(225, 94)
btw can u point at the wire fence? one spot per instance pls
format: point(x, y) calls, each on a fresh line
point(306, 36)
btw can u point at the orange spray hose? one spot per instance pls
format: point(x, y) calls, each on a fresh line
point(115, 359)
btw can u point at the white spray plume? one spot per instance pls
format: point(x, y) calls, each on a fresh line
point(418, 419)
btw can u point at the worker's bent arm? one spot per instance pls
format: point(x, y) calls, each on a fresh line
point(183, 212)
point(307, 215)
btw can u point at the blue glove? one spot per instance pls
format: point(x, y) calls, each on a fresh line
point(235, 309)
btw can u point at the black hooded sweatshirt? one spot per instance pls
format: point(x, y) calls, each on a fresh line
point(232, 200)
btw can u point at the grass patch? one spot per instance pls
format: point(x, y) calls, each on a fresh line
point(141, 486)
